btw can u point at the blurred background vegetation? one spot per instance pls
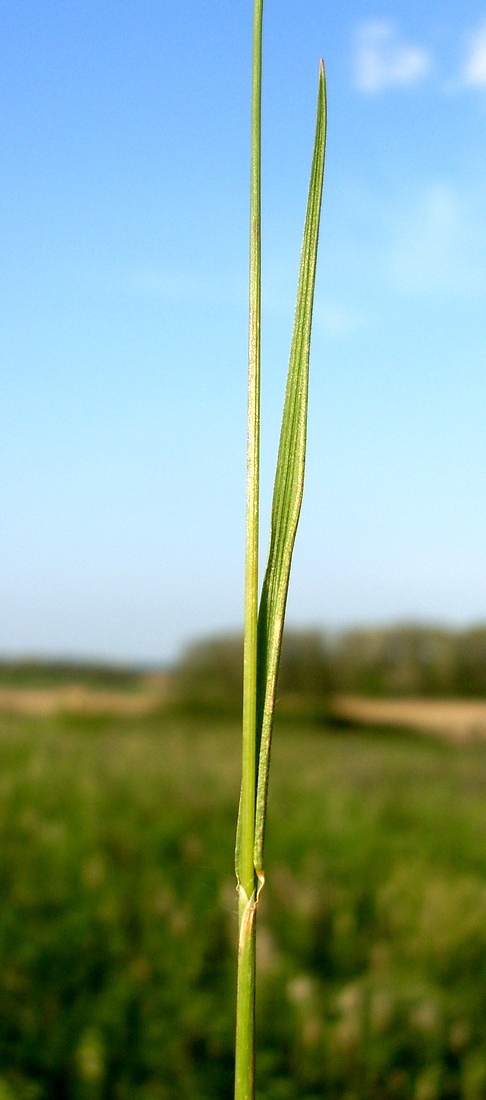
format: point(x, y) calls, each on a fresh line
point(118, 914)
point(409, 660)
point(117, 928)
point(398, 661)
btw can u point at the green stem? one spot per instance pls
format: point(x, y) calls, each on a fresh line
point(245, 999)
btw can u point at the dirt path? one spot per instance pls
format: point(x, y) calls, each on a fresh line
point(76, 699)
point(457, 719)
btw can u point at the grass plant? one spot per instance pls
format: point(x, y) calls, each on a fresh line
point(264, 624)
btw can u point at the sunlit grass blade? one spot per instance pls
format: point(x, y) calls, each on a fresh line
point(289, 482)
point(246, 817)
point(245, 871)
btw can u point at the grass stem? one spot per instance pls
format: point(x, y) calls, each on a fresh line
point(263, 629)
point(245, 999)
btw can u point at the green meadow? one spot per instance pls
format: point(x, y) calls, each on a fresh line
point(118, 913)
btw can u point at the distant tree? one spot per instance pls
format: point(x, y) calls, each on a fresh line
point(32, 673)
point(209, 678)
point(304, 682)
point(401, 660)
point(471, 662)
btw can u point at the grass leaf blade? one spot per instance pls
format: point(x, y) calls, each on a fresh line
point(289, 481)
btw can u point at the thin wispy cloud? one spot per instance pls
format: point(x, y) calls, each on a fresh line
point(437, 248)
point(474, 73)
point(384, 61)
point(336, 320)
point(166, 284)
point(422, 258)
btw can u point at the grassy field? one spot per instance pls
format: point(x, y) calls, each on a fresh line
point(117, 922)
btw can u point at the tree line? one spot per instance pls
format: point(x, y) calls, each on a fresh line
point(404, 660)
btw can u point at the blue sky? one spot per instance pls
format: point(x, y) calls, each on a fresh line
point(123, 272)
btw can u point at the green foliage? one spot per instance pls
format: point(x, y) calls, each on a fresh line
point(209, 676)
point(470, 662)
point(402, 660)
point(52, 674)
point(117, 931)
point(304, 677)
point(116, 965)
point(410, 660)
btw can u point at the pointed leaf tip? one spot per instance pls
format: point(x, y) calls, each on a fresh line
point(289, 480)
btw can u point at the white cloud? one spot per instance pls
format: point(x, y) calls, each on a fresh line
point(383, 61)
point(438, 248)
point(336, 320)
point(475, 66)
point(422, 255)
